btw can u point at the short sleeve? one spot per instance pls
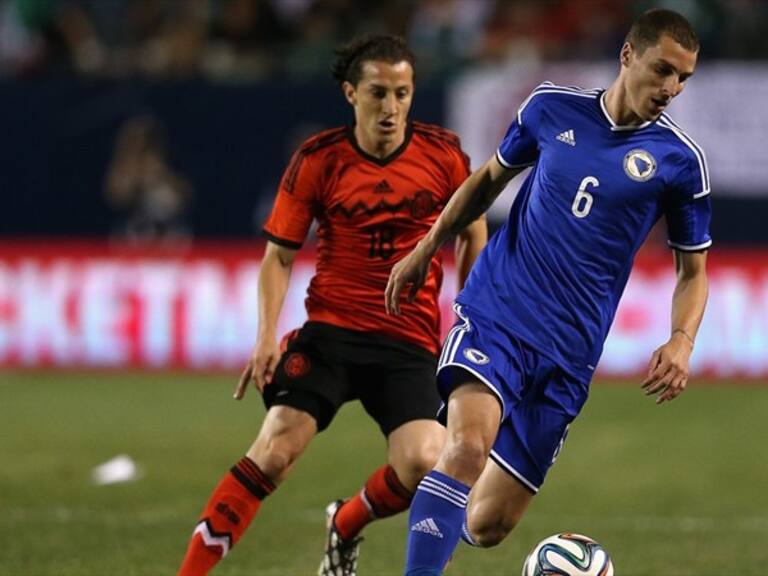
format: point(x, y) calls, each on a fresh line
point(520, 147)
point(294, 207)
point(689, 210)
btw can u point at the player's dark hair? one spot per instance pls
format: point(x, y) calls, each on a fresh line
point(653, 24)
point(348, 66)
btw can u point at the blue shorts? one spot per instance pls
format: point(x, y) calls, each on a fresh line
point(539, 399)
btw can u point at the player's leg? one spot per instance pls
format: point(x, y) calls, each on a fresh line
point(480, 377)
point(439, 505)
point(414, 449)
point(396, 387)
point(284, 435)
point(526, 446)
point(302, 399)
point(496, 504)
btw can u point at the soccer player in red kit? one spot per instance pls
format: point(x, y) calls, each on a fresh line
point(375, 189)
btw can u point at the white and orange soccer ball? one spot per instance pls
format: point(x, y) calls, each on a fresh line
point(568, 555)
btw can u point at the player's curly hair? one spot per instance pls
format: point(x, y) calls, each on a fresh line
point(348, 65)
point(651, 25)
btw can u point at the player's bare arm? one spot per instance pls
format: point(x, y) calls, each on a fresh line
point(274, 274)
point(469, 242)
point(668, 369)
point(470, 201)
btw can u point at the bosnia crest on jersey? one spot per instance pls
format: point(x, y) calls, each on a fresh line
point(474, 355)
point(639, 165)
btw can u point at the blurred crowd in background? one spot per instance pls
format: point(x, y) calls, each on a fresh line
point(153, 120)
point(254, 39)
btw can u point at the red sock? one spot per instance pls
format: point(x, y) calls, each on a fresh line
point(225, 518)
point(383, 495)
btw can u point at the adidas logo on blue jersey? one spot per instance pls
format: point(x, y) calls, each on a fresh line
point(427, 526)
point(568, 137)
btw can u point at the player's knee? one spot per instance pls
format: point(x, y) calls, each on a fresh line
point(277, 461)
point(275, 455)
point(464, 457)
point(418, 460)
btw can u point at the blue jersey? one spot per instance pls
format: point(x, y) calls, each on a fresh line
point(554, 273)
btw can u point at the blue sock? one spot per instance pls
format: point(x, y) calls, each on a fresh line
point(434, 524)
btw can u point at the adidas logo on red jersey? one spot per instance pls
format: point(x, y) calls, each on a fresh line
point(383, 187)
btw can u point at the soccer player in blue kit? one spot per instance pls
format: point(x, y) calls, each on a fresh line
point(534, 313)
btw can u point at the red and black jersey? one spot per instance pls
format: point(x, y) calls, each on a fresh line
point(371, 213)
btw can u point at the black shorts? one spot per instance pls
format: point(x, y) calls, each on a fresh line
point(325, 366)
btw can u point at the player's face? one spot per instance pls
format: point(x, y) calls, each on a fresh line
point(656, 76)
point(381, 99)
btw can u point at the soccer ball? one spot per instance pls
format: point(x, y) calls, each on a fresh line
point(568, 555)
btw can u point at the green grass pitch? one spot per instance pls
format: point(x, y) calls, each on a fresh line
point(680, 489)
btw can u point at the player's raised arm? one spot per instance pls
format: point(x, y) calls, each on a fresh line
point(470, 201)
point(668, 369)
point(274, 275)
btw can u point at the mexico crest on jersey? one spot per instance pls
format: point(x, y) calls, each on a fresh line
point(639, 165)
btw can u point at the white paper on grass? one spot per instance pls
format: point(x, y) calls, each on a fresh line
point(121, 468)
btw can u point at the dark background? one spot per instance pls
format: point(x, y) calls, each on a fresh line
point(235, 85)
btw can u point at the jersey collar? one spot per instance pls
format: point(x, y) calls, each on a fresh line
point(616, 127)
point(376, 160)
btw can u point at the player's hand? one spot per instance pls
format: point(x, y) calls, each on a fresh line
point(260, 367)
point(411, 270)
point(668, 369)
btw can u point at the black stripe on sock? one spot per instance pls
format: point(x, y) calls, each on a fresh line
point(394, 484)
point(252, 470)
point(252, 487)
